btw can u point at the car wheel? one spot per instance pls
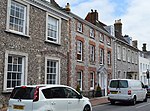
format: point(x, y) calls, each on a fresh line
point(133, 101)
point(87, 108)
point(112, 102)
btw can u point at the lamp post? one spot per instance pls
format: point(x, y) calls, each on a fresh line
point(147, 74)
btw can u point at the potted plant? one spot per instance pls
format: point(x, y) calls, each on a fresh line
point(98, 92)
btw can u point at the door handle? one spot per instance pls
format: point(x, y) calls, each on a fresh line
point(53, 103)
point(69, 102)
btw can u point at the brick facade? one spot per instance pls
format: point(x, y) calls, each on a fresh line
point(86, 65)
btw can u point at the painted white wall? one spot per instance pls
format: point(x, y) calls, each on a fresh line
point(144, 64)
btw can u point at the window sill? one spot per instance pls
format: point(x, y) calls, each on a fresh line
point(101, 41)
point(92, 38)
point(80, 31)
point(13, 32)
point(80, 61)
point(7, 92)
point(50, 42)
point(92, 62)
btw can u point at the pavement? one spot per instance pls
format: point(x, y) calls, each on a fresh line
point(94, 101)
point(99, 100)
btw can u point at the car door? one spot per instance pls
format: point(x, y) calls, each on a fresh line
point(143, 91)
point(55, 98)
point(74, 103)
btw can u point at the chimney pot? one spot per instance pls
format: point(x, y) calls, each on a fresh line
point(144, 47)
point(67, 7)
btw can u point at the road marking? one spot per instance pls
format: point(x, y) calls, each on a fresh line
point(142, 105)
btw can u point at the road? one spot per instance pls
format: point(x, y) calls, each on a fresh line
point(140, 106)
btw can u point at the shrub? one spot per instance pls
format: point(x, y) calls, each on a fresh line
point(98, 92)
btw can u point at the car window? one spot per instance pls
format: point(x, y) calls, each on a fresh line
point(69, 93)
point(118, 84)
point(23, 93)
point(56, 92)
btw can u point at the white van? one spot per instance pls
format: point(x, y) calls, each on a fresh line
point(47, 98)
point(126, 90)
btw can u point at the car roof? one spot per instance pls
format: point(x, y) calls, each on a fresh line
point(126, 79)
point(44, 85)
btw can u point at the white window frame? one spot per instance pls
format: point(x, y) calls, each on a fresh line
point(57, 60)
point(101, 56)
point(119, 74)
point(92, 80)
point(101, 36)
point(79, 27)
point(58, 34)
point(26, 18)
point(79, 50)
point(119, 52)
point(91, 33)
point(132, 57)
point(24, 68)
point(129, 56)
point(92, 53)
point(124, 54)
point(108, 41)
point(109, 57)
point(136, 58)
point(79, 79)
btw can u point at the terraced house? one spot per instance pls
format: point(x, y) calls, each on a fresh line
point(90, 53)
point(126, 64)
point(34, 40)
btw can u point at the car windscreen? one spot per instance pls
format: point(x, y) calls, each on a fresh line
point(23, 93)
point(118, 84)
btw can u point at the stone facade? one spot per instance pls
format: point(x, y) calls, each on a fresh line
point(33, 46)
point(126, 64)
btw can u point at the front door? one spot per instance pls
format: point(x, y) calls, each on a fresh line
point(103, 82)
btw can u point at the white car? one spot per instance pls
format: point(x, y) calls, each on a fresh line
point(47, 98)
point(128, 90)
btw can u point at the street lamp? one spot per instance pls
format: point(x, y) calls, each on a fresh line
point(147, 74)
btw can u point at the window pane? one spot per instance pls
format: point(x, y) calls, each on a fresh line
point(9, 67)
point(14, 75)
point(14, 67)
point(9, 76)
point(8, 83)
point(9, 59)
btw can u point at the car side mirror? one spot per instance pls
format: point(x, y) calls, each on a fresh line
point(145, 86)
point(80, 96)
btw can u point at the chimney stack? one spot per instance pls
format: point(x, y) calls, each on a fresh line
point(92, 17)
point(144, 47)
point(134, 43)
point(118, 26)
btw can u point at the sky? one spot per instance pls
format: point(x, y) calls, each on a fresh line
point(134, 15)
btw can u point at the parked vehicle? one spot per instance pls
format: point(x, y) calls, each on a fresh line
point(126, 90)
point(148, 90)
point(47, 98)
